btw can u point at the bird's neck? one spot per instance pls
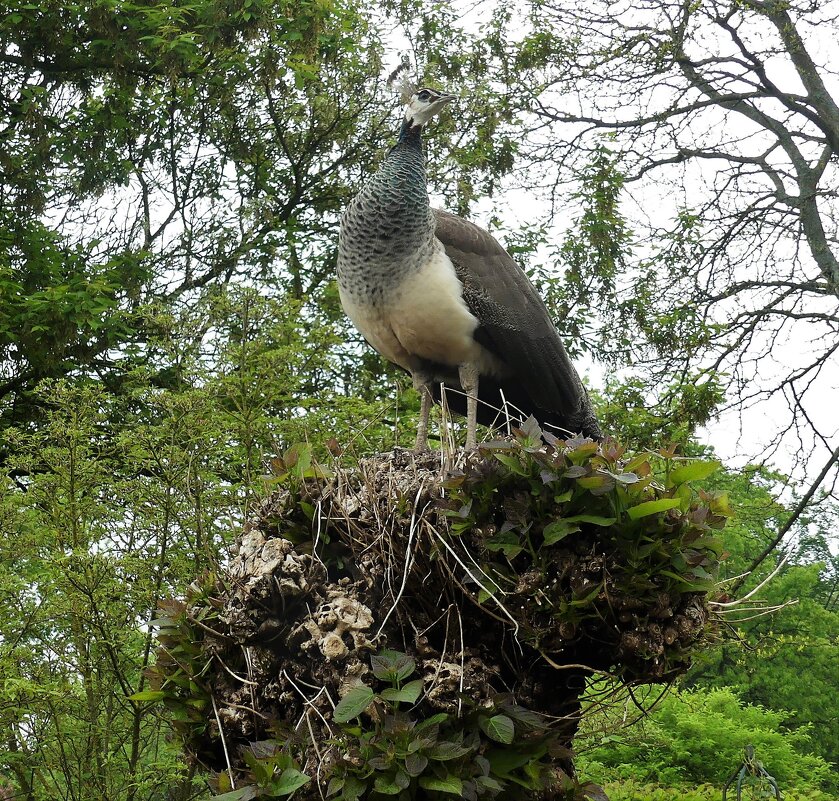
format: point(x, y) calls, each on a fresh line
point(410, 134)
point(395, 201)
point(388, 229)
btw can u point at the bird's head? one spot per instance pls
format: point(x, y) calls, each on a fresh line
point(423, 104)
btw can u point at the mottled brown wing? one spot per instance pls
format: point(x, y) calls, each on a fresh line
point(516, 327)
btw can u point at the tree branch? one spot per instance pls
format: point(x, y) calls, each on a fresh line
point(791, 520)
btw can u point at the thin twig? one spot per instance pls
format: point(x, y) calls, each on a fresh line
point(223, 743)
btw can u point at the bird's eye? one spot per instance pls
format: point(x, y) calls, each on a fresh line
point(424, 95)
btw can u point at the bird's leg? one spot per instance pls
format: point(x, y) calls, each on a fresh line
point(423, 385)
point(469, 381)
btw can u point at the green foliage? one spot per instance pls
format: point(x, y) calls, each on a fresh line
point(273, 773)
point(630, 790)
point(659, 532)
point(390, 748)
point(176, 677)
point(89, 547)
point(764, 657)
point(786, 660)
point(593, 255)
point(387, 744)
point(152, 153)
point(642, 416)
point(697, 737)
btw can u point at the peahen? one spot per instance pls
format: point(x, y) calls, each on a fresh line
point(440, 297)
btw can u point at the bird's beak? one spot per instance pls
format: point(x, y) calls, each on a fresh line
point(440, 103)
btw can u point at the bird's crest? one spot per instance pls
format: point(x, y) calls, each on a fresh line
point(401, 82)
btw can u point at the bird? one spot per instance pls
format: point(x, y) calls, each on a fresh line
point(441, 298)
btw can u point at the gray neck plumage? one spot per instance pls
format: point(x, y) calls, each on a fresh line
point(388, 229)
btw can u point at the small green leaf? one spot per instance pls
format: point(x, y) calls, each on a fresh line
point(386, 785)
point(486, 594)
point(148, 695)
point(506, 760)
point(434, 720)
point(392, 666)
point(558, 530)
point(507, 542)
point(451, 784)
point(721, 505)
point(353, 788)
point(240, 794)
point(636, 462)
point(582, 450)
point(290, 780)
point(409, 693)
point(713, 544)
point(526, 718)
point(415, 764)
point(499, 728)
point(595, 520)
point(442, 752)
point(598, 484)
point(511, 462)
point(353, 704)
point(686, 583)
point(693, 471)
point(652, 507)
point(488, 783)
